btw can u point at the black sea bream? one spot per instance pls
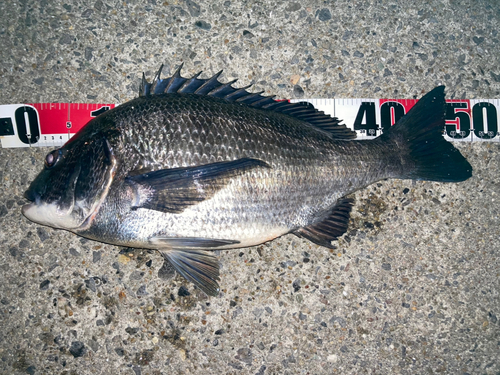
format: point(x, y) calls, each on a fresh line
point(194, 165)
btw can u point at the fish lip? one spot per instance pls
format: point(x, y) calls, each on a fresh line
point(33, 198)
point(26, 207)
point(49, 215)
point(31, 195)
point(37, 209)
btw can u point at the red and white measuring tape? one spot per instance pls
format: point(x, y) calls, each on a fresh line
point(52, 124)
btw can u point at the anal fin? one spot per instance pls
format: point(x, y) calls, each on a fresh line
point(198, 266)
point(331, 227)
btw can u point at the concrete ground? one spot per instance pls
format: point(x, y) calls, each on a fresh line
point(412, 288)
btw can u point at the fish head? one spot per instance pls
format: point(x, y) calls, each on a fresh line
point(73, 184)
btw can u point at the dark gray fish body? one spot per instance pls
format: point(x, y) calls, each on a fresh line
point(286, 193)
point(195, 169)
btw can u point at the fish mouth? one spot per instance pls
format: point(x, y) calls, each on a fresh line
point(34, 200)
point(31, 195)
point(50, 214)
point(58, 213)
point(27, 207)
point(71, 198)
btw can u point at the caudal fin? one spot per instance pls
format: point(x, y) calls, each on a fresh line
point(426, 155)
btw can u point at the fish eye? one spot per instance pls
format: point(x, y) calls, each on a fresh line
point(52, 158)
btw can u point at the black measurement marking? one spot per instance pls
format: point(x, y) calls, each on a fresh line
point(478, 112)
point(34, 128)
point(385, 114)
point(97, 112)
point(6, 127)
point(366, 111)
point(461, 118)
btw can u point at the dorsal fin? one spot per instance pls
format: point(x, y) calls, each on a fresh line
point(213, 87)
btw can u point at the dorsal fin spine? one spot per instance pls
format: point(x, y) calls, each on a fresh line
point(209, 85)
point(191, 84)
point(169, 88)
point(237, 93)
point(218, 91)
point(176, 84)
point(156, 80)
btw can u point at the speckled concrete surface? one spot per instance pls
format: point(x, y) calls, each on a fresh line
point(413, 286)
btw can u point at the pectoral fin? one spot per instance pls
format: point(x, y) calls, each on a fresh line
point(173, 190)
point(198, 266)
point(190, 243)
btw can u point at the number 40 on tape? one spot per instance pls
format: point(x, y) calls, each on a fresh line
point(52, 124)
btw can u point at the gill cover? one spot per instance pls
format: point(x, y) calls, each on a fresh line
point(73, 184)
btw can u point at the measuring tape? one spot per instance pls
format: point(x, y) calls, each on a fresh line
point(52, 124)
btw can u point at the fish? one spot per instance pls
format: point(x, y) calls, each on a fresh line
point(195, 165)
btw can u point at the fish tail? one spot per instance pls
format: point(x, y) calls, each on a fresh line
point(425, 154)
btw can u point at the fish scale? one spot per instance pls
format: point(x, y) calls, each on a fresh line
point(226, 138)
point(194, 165)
